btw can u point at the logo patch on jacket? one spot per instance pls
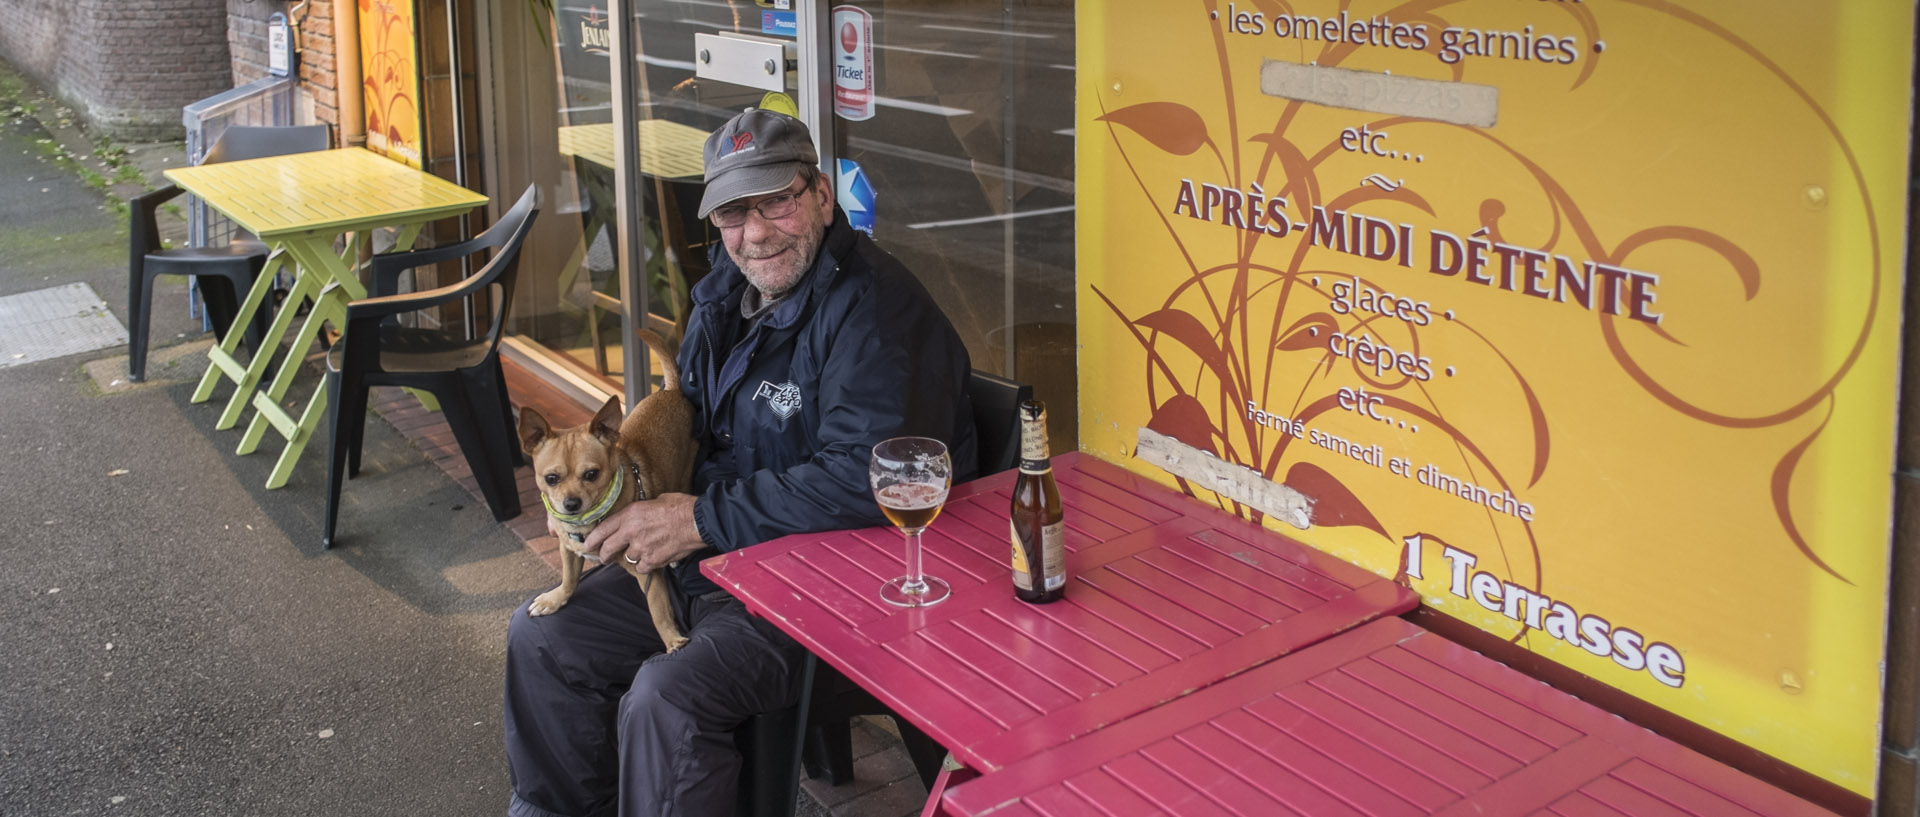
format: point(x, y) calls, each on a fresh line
point(784, 398)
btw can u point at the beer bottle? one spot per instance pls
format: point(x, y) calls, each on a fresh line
point(1039, 547)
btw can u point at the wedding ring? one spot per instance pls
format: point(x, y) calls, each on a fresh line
point(632, 561)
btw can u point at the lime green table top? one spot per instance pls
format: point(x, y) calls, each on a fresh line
point(329, 191)
point(668, 150)
point(300, 204)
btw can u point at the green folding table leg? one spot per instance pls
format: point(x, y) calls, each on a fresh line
point(305, 288)
point(330, 306)
point(221, 359)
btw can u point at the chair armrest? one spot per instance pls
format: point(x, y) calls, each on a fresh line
point(385, 269)
point(144, 229)
point(152, 199)
point(364, 316)
point(375, 308)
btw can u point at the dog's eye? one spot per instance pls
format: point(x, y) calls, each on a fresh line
point(592, 474)
point(553, 479)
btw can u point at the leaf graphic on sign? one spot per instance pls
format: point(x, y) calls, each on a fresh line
point(1310, 332)
point(1184, 419)
point(1170, 126)
point(1333, 504)
point(1782, 484)
point(1187, 331)
point(1301, 180)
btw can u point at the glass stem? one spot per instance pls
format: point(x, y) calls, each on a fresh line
point(914, 586)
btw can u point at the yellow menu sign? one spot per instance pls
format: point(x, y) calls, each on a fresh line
point(1579, 317)
point(391, 76)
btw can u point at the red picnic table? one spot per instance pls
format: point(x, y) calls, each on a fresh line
point(1387, 719)
point(1166, 596)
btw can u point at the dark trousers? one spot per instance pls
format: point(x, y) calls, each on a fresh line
point(600, 722)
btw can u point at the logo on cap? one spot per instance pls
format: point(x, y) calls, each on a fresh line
point(740, 140)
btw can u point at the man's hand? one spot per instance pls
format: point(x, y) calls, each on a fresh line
point(649, 534)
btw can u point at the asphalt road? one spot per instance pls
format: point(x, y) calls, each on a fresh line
point(175, 640)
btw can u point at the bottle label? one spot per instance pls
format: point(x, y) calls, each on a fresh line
point(1020, 571)
point(1053, 558)
point(1033, 440)
point(1053, 550)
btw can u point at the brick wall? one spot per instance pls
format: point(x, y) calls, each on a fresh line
point(126, 66)
point(246, 23)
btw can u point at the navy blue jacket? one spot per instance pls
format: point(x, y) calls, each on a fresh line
point(787, 416)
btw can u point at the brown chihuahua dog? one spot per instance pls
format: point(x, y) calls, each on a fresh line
point(588, 472)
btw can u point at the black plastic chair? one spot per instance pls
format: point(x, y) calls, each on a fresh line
point(231, 268)
point(464, 375)
point(996, 419)
point(770, 744)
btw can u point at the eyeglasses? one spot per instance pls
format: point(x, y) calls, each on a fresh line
point(770, 208)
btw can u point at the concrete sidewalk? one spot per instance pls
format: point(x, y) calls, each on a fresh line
point(178, 644)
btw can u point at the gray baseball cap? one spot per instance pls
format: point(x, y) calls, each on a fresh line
point(753, 154)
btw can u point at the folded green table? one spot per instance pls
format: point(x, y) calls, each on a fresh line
point(301, 205)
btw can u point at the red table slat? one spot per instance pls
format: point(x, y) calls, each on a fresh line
point(1386, 719)
point(1167, 595)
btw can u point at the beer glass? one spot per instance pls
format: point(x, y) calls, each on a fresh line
point(910, 478)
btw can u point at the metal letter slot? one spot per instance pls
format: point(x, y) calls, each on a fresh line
point(744, 59)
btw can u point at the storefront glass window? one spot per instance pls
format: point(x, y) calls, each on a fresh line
point(966, 140)
point(956, 143)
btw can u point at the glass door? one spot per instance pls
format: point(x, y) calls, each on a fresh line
point(619, 247)
point(647, 154)
point(568, 301)
point(952, 121)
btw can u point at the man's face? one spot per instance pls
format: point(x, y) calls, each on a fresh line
point(775, 253)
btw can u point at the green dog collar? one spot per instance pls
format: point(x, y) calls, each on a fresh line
point(592, 515)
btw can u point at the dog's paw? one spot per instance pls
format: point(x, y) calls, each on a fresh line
point(547, 602)
point(676, 643)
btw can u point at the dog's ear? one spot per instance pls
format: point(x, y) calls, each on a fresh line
point(533, 430)
point(606, 421)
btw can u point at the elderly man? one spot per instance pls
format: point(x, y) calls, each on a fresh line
point(807, 345)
